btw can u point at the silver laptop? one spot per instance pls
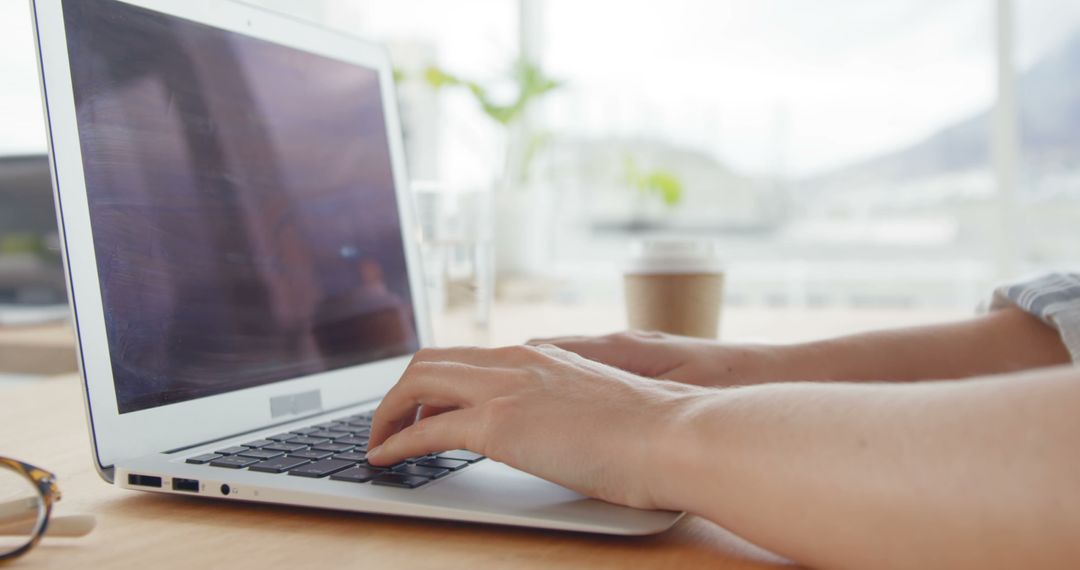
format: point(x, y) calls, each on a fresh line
point(239, 246)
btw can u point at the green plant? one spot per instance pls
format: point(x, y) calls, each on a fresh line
point(25, 244)
point(530, 83)
point(661, 182)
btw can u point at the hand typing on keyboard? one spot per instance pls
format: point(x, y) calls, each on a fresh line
point(916, 447)
point(585, 425)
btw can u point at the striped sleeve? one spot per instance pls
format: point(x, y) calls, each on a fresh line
point(1054, 299)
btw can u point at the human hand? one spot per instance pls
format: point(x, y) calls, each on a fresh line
point(589, 427)
point(659, 355)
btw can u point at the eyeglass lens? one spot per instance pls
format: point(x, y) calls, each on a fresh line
point(22, 510)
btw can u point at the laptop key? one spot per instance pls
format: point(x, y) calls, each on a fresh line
point(204, 458)
point(321, 468)
point(261, 454)
point(233, 462)
point(309, 441)
point(393, 467)
point(356, 456)
point(286, 447)
point(334, 447)
point(357, 474)
point(312, 454)
point(278, 465)
point(329, 434)
point(440, 463)
point(231, 450)
point(352, 440)
point(394, 479)
point(282, 436)
point(258, 443)
point(421, 471)
point(353, 431)
point(461, 455)
point(304, 431)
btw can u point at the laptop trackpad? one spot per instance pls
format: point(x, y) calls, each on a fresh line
point(512, 494)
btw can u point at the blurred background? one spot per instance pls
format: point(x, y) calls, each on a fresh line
point(857, 160)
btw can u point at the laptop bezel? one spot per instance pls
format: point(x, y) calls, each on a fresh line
point(114, 436)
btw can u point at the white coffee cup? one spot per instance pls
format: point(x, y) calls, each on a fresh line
point(675, 286)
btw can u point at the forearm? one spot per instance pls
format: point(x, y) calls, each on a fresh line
point(980, 473)
point(1004, 341)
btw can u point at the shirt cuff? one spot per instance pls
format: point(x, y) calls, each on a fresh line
point(1054, 299)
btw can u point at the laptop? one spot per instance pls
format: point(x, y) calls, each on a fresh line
point(242, 264)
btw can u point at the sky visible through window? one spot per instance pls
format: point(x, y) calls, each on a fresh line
point(22, 126)
point(813, 138)
point(751, 80)
point(823, 83)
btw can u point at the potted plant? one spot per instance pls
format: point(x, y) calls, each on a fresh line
point(520, 224)
point(652, 186)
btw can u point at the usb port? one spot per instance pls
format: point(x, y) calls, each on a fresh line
point(186, 485)
point(144, 480)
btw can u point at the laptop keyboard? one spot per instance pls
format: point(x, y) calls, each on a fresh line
point(336, 450)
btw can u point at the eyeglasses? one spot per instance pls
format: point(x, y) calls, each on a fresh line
point(27, 495)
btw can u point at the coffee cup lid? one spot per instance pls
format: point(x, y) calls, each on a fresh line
point(674, 256)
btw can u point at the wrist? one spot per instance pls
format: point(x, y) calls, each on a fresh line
point(680, 449)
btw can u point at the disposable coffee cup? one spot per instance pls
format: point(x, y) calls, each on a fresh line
point(676, 287)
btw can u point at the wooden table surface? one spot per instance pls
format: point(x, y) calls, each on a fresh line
point(38, 349)
point(49, 349)
point(44, 424)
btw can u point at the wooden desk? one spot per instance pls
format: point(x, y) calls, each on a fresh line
point(516, 322)
point(44, 424)
point(41, 349)
point(50, 349)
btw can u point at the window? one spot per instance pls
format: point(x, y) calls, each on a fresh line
point(842, 154)
point(23, 129)
point(1047, 91)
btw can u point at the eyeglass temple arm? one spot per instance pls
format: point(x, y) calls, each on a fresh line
point(15, 515)
point(71, 525)
point(17, 508)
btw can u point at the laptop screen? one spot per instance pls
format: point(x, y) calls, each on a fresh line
point(242, 206)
